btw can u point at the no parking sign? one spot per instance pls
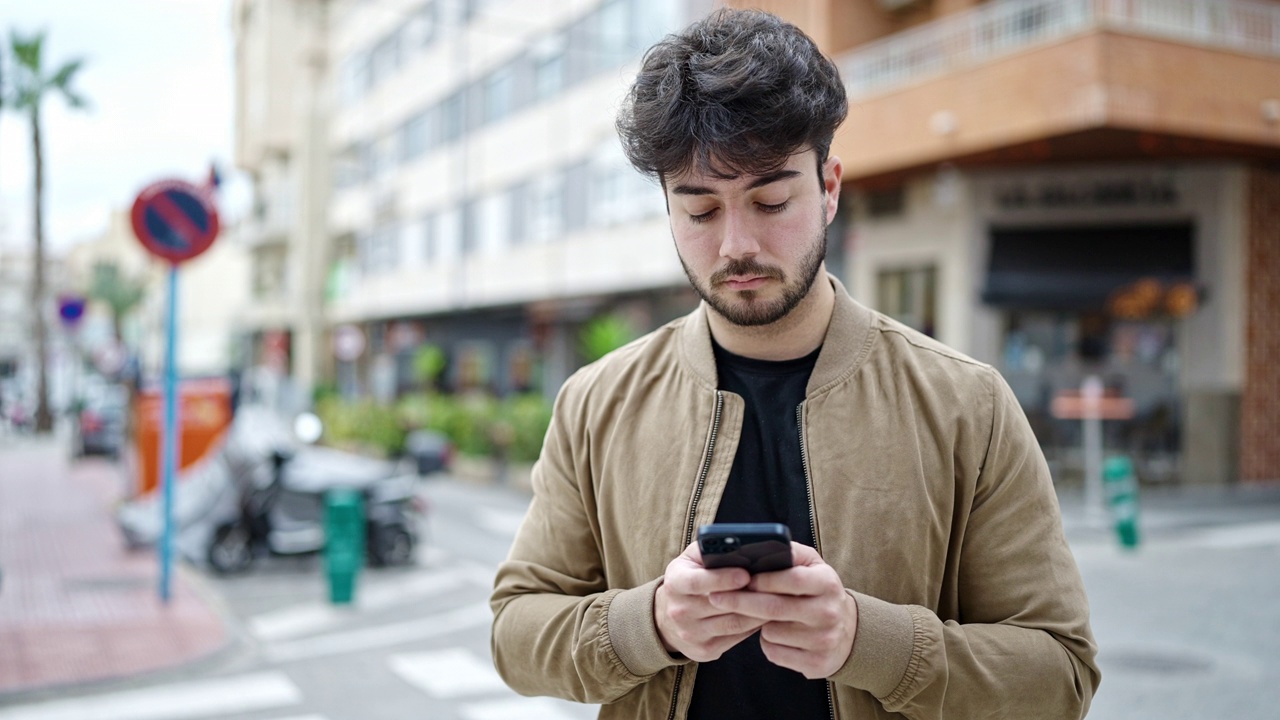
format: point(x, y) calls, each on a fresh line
point(175, 221)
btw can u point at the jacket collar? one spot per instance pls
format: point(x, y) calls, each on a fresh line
point(846, 345)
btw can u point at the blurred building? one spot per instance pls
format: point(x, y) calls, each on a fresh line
point(1066, 188)
point(1062, 188)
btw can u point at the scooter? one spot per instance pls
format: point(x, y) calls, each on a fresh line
point(286, 516)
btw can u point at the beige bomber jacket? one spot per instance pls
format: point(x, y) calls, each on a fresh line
point(929, 496)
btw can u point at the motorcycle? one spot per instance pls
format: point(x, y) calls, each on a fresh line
point(286, 516)
point(263, 492)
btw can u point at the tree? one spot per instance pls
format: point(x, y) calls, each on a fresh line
point(28, 87)
point(119, 293)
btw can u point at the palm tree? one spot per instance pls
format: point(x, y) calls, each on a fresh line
point(28, 87)
point(120, 293)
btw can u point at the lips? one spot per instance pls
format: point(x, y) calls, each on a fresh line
point(746, 283)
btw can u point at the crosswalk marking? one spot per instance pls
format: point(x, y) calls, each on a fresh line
point(514, 709)
point(468, 616)
point(1241, 536)
point(178, 701)
point(447, 673)
point(499, 522)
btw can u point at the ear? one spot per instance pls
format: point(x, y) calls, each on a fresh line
point(832, 172)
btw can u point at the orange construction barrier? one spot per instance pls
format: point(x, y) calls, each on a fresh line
point(204, 414)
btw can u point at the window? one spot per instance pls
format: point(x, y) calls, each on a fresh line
point(910, 296)
point(574, 197)
point(494, 223)
point(379, 249)
point(385, 59)
point(613, 41)
point(499, 88)
point(355, 78)
point(415, 136)
point(886, 203)
point(451, 117)
point(548, 67)
point(421, 29)
point(545, 208)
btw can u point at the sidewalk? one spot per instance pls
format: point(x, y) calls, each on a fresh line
point(76, 606)
point(1169, 512)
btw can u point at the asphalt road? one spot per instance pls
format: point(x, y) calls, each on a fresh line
point(1189, 627)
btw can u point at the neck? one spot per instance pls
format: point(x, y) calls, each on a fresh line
point(794, 336)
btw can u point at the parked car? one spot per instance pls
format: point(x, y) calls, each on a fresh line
point(100, 424)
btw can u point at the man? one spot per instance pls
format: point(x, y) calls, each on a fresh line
point(931, 577)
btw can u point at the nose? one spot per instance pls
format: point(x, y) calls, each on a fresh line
point(739, 239)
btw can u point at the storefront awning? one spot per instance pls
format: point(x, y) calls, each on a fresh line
point(1081, 268)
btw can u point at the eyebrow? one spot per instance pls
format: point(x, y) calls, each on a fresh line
point(757, 183)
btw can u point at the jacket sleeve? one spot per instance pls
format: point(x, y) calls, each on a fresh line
point(1023, 647)
point(558, 629)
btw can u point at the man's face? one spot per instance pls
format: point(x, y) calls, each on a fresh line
point(753, 245)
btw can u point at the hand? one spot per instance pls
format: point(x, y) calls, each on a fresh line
point(687, 622)
point(809, 620)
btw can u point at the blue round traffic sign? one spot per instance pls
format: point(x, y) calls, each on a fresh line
point(175, 220)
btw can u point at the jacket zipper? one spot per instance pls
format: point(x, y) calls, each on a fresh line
point(813, 521)
point(693, 512)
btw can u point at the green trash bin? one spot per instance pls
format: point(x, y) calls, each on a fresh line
point(1121, 486)
point(344, 542)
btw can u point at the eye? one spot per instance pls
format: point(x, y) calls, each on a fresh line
point(773, 209)
point(696, 219)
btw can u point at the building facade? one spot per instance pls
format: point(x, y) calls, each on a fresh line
point(1074, 188)
point(1063, 188)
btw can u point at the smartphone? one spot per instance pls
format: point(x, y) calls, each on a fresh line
point(758, 547)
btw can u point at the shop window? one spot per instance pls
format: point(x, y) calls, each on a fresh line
point(886, 203)
point(910, 296)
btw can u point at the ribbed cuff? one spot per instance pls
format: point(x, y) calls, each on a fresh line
point(634, 634)
point(881, 649)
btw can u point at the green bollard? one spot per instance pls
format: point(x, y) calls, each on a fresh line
point(344, 542)
point(1122, 496)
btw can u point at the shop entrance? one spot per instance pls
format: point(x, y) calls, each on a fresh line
point(1102, 301)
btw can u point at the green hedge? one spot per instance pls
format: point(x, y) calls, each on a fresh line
point(477, 424)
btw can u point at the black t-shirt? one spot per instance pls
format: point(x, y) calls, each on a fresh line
point(766, 484)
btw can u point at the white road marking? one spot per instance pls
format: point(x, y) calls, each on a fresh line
point(197, 699)
point(514, 709)
point(468, 616)
point(1240, 536)
point(448, 673)
point(499, 522)
point(311, 618)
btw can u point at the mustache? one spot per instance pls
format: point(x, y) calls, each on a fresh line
point(745, 266)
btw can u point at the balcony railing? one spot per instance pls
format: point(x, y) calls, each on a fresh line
point(1001, 28)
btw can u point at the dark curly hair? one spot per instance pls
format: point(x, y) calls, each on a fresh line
point(737, 92)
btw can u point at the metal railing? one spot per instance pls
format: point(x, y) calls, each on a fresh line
point(1001, 28)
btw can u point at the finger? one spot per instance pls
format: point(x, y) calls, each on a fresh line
point(801, 661)
point(712, 649)
point(801, 636)
point(696, 580)
point(765, 606)
point(799, 580)
point(802, 555)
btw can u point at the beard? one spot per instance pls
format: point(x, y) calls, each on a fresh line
point(746, 308)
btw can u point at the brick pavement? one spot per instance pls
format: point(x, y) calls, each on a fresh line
point(75, 604)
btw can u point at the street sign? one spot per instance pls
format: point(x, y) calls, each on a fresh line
point(175, 220)
point(348, 342)
point(71, 309)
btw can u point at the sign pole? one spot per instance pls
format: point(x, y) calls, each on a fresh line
point(172, 443)
point(176, 221)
